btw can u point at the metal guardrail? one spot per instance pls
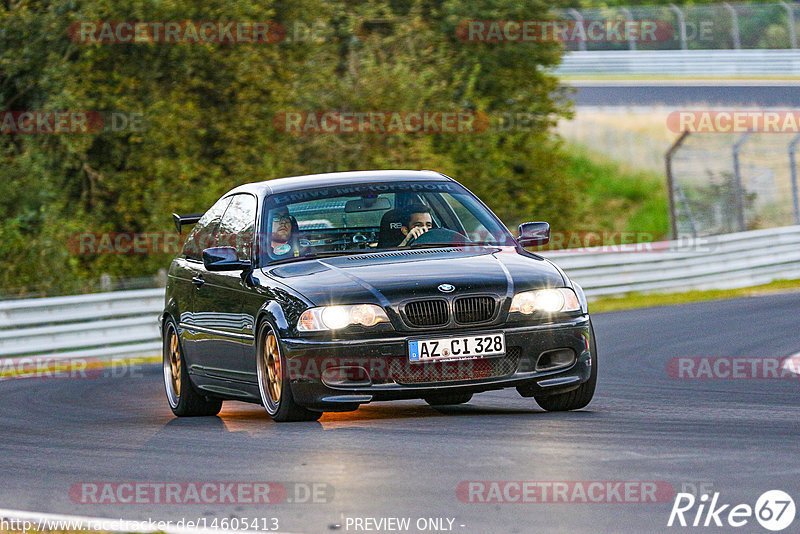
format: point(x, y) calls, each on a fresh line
point(125, 322)
point(716, 262)
point(82, 326)
point(682, 62)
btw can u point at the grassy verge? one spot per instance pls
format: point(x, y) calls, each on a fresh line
point(638, 300)
point(616, 197)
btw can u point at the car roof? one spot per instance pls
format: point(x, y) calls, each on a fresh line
point(308, 181)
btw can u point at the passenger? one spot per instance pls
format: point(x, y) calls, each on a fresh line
point(282, 239)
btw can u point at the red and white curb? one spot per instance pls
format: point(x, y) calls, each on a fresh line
point(792, 363)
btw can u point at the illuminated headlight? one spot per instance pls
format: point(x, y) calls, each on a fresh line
point(336, 317)
point(562, 299)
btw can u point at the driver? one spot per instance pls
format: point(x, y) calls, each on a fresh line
point(417, 220)
point(281, 236)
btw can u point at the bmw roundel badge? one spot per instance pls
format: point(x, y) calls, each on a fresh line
point(447, 288)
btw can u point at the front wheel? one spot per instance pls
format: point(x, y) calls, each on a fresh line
point(276, 392)
point(577, 398)
point(183, 399)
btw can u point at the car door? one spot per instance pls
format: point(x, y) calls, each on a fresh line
point(223, 329)
point(195, 334)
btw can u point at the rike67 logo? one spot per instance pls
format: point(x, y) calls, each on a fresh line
point(774, 510)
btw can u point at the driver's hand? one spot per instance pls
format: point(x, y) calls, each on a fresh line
point(412, 235)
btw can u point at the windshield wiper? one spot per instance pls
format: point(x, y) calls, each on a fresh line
point(453, 245)
point(326, 254)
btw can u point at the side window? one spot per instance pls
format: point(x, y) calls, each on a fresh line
point(204, 234)
point(476, 231)
point(237, 228)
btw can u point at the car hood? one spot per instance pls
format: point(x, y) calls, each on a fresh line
point(388, 278)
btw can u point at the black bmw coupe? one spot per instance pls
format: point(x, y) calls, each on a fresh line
point(323, 292)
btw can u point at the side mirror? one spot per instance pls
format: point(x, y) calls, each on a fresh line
point(533, 234)
point(223, 259)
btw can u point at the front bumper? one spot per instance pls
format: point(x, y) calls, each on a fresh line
point(340, 375)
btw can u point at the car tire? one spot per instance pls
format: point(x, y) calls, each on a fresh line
point(273, 383)
point(183, 399)
point(577, 398)
point(445, 399)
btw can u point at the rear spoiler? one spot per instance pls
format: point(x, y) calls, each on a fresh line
point(183, 220)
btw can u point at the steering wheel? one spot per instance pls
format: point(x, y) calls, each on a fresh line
point(439, 236)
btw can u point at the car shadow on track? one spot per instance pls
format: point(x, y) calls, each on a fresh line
point(243, 420)
point(386, 411)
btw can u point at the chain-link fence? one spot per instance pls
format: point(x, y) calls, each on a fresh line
point(773, 25)
point(733, 182)
point(722, 182)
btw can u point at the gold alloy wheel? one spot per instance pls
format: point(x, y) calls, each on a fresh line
point(175, 363)
point(272, 362)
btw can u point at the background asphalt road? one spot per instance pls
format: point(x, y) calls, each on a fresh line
point(683, 93)
point(406, 459)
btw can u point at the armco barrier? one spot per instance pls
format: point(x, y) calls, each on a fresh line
point(682, 62)
point(718, 262)
point(82, 326)
point(125, 322)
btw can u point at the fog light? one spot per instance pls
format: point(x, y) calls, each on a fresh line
point(555, 359)
point(346, 376)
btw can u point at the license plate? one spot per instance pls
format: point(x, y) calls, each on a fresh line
point(457, 348)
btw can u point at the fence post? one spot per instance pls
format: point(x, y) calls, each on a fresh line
point(671, 182)
point(737, 177)
point(793, 168)
point(579, 20)
point(790, 21)
point(681, 25)
point(737, 44)
point(629, 15)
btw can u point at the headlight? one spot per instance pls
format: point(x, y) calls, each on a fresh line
point(562, 299)
point(336, 317)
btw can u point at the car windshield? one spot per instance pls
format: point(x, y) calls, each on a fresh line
point(373, 217)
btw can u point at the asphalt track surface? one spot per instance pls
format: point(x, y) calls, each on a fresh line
point(406, 459)
point(643, 94)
